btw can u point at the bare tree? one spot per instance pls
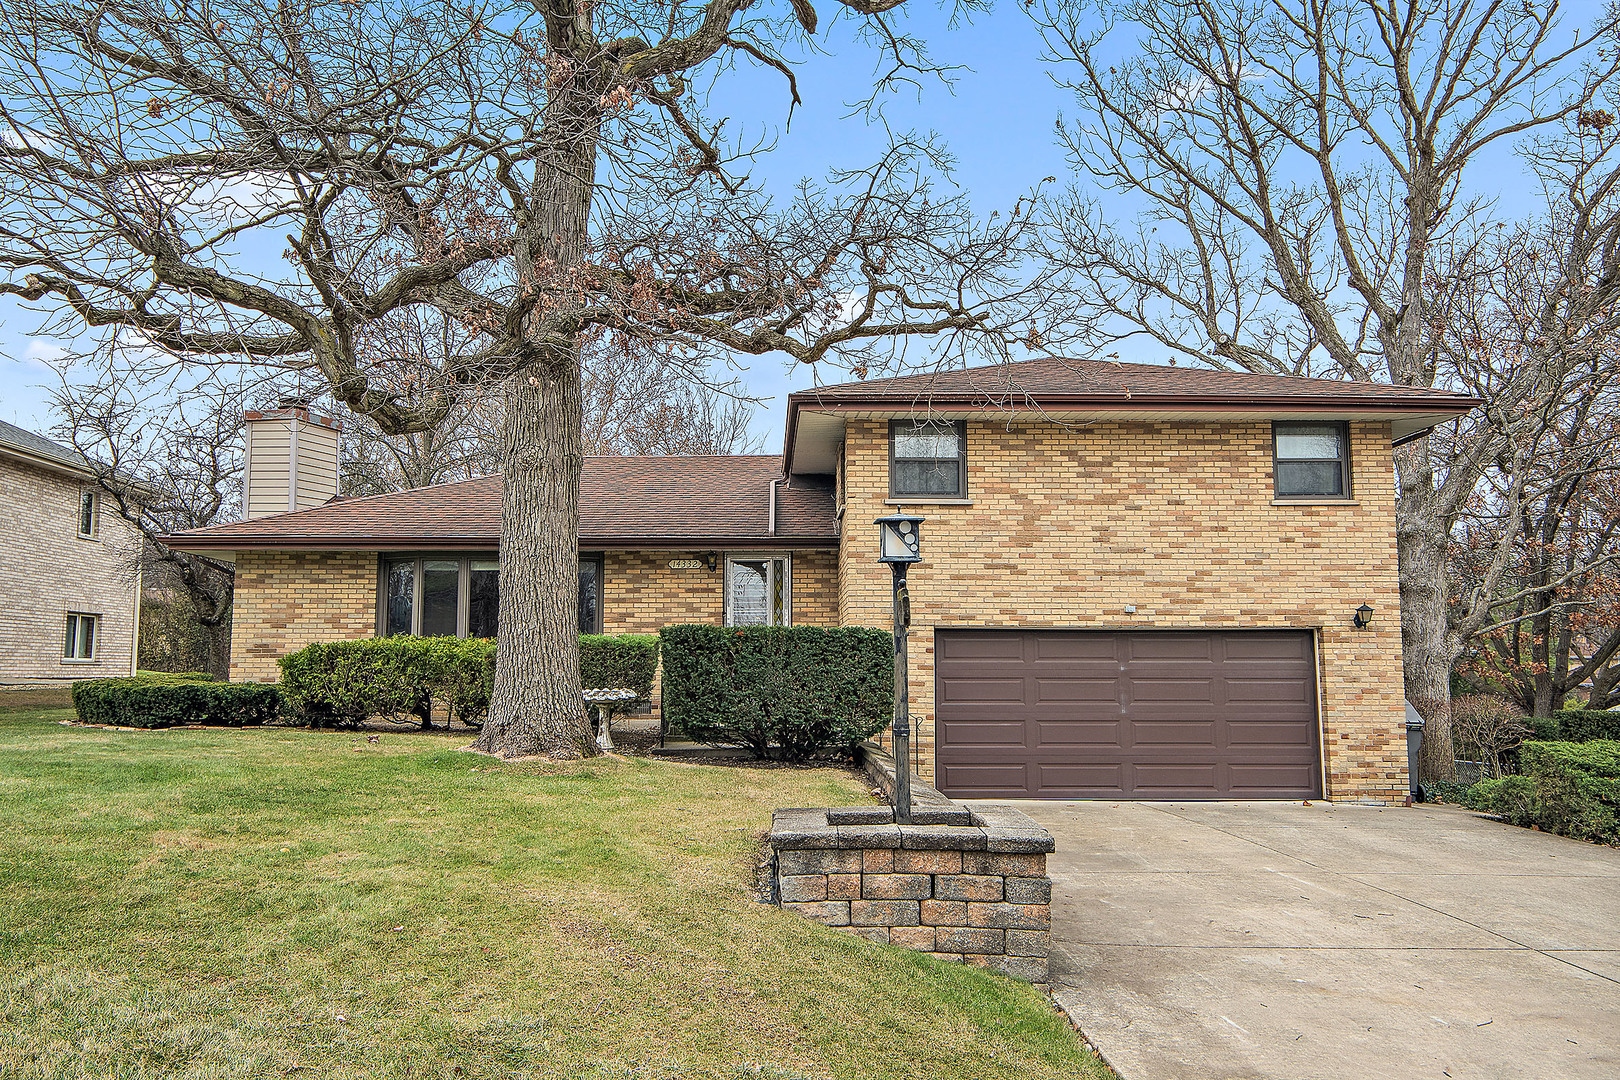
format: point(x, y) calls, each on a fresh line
point(164, 462)
point(636, 404)
point(1301, 176)
point(539, 170)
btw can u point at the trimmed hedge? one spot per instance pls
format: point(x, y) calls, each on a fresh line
point(622, 662)
point(167, 701)
point(781, 691)
point(346, 683)
point(1568, 788)
point(1576, 725)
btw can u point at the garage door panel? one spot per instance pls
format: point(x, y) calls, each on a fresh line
point(1078, 733)
point(1268, 646)
point(1269, 780)
point(1063, 691)
point(1150, 778)
point(1254, 691)
point(1161, 689)
point(1166, 646)
point(985, 781)
point(1071, 647)
point(1138, 714)
point(1193, 734)
point(1100, 779)
point(979, 647)
point(978, 691)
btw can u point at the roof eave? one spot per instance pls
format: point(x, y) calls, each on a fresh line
point(42, 462)
point(1447, 403)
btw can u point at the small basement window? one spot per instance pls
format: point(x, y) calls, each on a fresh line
point(1311, 461)
point(79, 643)
point(928, 458)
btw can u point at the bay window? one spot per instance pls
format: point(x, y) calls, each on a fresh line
point(460, 595)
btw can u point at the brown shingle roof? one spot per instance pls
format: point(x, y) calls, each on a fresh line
point(624, 502)
point(1101, 380)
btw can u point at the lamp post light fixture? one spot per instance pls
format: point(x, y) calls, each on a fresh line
point(1364, 615)
point(900, 545)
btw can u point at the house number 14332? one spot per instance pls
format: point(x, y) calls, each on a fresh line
point(686, 564)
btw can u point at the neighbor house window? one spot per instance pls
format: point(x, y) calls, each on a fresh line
point(460, 596)
point(79, 643)
point(89, 505)
point(928, 459)
point(590, 594)
point(757, 591)
point(1311, 461)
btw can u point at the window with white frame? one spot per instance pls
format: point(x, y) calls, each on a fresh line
point(89, 512)
point(758, 590)
point(79, 642)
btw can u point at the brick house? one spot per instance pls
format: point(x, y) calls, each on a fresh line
point(1137, 581)
point(67, 601)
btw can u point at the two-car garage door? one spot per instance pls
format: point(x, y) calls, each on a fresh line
point(1061, 714)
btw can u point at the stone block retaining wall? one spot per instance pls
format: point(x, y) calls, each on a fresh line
point(974, 892)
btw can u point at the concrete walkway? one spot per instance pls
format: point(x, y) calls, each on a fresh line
point(1276, 940)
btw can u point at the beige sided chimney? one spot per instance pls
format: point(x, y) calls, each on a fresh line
point(291, 461)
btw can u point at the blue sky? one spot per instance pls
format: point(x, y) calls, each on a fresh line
point(997, 119)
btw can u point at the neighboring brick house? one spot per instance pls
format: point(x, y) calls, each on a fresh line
point(1137, 581)
point(67, 598)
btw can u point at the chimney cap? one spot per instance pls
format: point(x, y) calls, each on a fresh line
point(293, 401)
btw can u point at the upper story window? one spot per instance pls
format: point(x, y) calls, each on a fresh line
point(460, 596)
point(89, 512)
point(928, 459)
point(1311, 461)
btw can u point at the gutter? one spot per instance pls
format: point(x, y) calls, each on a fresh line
point(487, 543)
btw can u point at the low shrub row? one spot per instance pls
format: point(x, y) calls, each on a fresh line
point(1566, 787)
point(159, 701)
point(787, 692)
point(345, 683)
point(1576, 725)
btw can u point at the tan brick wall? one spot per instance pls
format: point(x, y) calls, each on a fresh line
point(641, 594)
point(49, 570)
point(288, 599)
point(1069, 525)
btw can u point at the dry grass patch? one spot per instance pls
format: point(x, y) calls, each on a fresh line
point(281, 903)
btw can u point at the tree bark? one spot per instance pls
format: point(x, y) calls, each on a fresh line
point(537, 707)
point(1427, 650)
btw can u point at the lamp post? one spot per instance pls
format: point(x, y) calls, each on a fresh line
point(899, 546)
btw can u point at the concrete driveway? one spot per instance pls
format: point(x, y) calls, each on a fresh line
point(1277, 940)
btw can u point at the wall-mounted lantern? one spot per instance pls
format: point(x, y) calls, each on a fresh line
point(1364, 615)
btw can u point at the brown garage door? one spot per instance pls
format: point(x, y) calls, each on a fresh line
point(1060, 714)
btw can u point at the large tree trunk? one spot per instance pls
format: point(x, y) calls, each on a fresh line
point(1426, 647)
point(537, 707)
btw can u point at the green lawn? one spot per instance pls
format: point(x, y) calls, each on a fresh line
point(281, 903)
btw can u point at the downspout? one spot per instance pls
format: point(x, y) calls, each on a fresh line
point(135, 631)
point(770, 524)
